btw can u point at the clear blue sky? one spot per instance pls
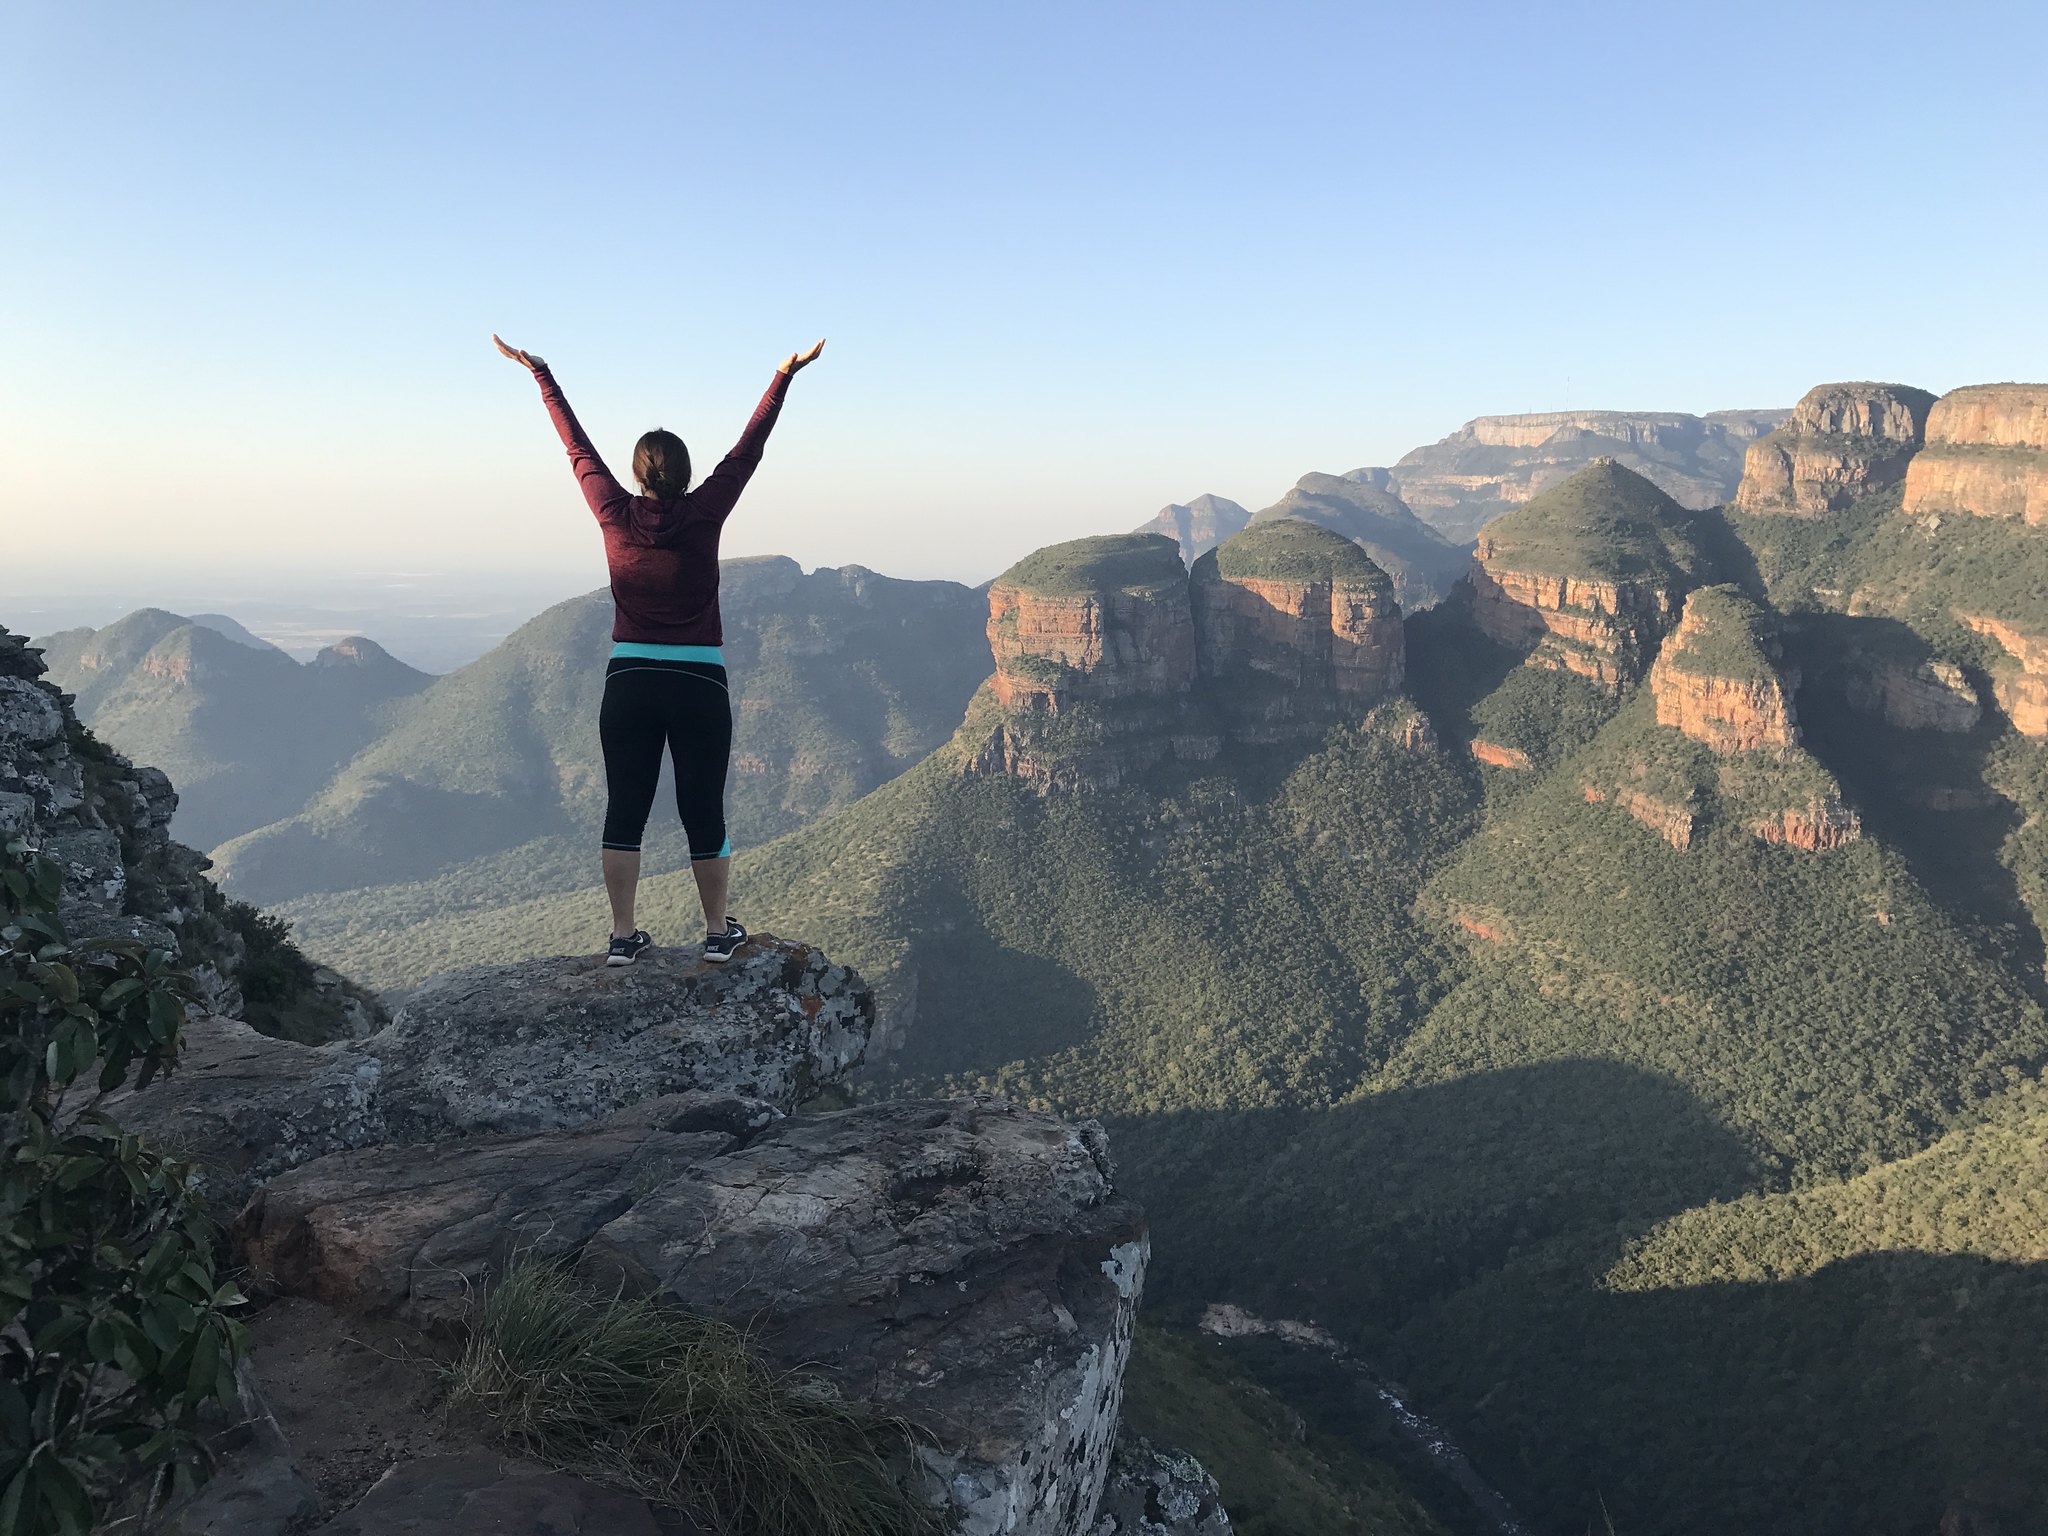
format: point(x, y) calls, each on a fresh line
point(1073, 261)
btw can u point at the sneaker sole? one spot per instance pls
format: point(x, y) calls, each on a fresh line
point(712, 957)
point(620, 959)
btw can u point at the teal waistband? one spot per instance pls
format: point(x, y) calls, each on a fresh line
point(633, 648)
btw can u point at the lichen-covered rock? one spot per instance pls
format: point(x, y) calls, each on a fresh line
point(1843, 442)
point(415, 1232)
point(244, 1107)
point(478, 1494)
point(558, 1042)
point(967, 1264)
point(1158, 1491)
point(1986, 454)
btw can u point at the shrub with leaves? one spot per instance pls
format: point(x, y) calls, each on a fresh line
point(114, 1326)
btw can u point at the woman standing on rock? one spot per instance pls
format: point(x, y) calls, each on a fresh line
point(665, 685)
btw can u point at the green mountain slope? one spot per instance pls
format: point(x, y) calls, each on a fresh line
point(1421, 561)
point(841, 679)
point(245, 732)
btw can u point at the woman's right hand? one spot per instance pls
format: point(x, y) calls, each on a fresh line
point(524, 359)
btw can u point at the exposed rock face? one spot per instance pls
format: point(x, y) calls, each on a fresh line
point(1153, 1491)
point(1819, 825)
point(2022, 693)
point(1843, 442)
point(541, 1045)
point(1497, 756)
point(1199, 526)
point(1923, 696)
point(967, 1264)
point(106, 823)
point(1493, 464)
point(1094, 648)
point(1582, 578)
point(559, 1042)
point(1716, 682)
point(1673, 823)
point(1986, 454)
point(1294, 627)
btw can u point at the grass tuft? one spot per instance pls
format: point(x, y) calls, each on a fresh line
point(682, 1411)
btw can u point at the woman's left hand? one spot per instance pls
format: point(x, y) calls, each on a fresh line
point(527, 359)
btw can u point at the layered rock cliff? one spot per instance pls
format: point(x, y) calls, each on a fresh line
point(966, 1265)
point(1718, 742)
point(2020, 683)
point(1587, 577)
point(1111, 659)
point(1294, 628)
point(1494, 464)
point(1986, 454)
point(1842, 442)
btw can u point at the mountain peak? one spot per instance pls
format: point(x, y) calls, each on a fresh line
point(1842, 442)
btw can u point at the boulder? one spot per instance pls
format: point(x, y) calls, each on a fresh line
point(1158, 1491)
point(244, 1107)
point(257, 1488)
point(559, 1042)
point(967, 1264)
point(414, 1232)
point(478, 1494)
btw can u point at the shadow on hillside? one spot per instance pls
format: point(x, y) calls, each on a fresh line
point(973, 992)
point(1452, 664)
point(1459, 1235)
point(1923, 792)
point(1727, 557)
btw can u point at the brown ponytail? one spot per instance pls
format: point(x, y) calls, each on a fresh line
point(662, 465)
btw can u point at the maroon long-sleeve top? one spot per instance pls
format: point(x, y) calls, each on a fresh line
point(663, 554)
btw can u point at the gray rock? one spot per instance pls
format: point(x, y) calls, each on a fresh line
point(559, 1042)
point(1157, 1491)
point(966, 1264)
point(29, 715)
point(257, 1488)
point(414, 1232)
point(482, 1495)
point(244, 1107)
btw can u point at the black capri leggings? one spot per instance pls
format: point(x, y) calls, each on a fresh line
point(680, 705)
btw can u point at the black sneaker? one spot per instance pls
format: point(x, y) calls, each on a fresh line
point(721, 947)
point(626, 951)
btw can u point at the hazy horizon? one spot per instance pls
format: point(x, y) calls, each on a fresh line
point(1072, 265)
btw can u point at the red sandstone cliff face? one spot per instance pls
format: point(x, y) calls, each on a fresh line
point(1843, 441)
point(1286, 656)
point(1819, 825)
point(1986, 454)
point(1601, 630)
point(2022, 694)
point(1056, 650)
point(1748, 713)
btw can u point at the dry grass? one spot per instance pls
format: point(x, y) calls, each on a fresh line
point(681, 1410)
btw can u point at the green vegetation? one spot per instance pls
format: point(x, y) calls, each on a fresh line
point(1276, 1478)
point(1289, 549)
point(680, 1410)
point(1422, 564)
point(1115, 562)
point(114, 1325)
point(1605, 523)
point(1723, 634)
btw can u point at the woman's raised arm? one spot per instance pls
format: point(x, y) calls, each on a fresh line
point(607, 498)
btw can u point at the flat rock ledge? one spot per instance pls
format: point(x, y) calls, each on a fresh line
point(543, 1045)
point(965, 1264)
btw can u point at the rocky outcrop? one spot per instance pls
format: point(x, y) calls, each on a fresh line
point(479, 1494)
point(1494, 464)
point(1582, 578)
point(1718, 677)
point(542, 1045)
point(2020, 687)
point(1422, 564)
point(1494, 755)
point(1198, 526)
point(1843, 442)
point(1094, 647)
point(106, 824)
point(1819, 825)
point(1986, 454)
point(1154, 1491)
point(1914, 696)
point(1295, 627)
